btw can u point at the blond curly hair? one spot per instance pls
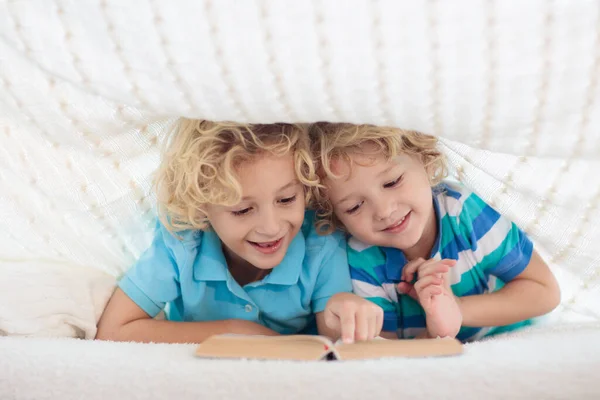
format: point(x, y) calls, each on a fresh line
point(337, 141)
point(199, 165)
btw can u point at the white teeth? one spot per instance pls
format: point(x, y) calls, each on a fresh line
point(266, 245)
point(399, 222)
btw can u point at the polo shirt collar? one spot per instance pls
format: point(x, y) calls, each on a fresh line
point(211, 265)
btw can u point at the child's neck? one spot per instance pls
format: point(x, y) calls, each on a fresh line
point(241, 270)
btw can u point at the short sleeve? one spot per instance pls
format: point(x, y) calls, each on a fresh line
point(513, 255)
point(501, 248)
point(154, 280)
point(334, 275)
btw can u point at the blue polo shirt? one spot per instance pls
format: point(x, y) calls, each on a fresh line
point(189, 278)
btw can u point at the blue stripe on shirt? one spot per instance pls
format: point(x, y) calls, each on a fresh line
point(466, 333)
point(390, 321)
point(515, 261)
point(413, 321)
point(451, 193)
point(454, 246)
point(364, 276)
point(486, 219)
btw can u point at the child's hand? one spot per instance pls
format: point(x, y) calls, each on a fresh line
point(353, 318)
point(432, 290)
point(423, 268)
point(442, 313)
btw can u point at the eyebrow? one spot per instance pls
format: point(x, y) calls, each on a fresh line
point(281, 189)
point(347, 197)
point(385, 171)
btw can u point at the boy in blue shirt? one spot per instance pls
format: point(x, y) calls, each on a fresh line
point(235, 251)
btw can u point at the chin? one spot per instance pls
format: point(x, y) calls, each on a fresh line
point(266, 262)
point(404, 243)
point(267, 265)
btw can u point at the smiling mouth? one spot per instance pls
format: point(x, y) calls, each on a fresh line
point(398, 225)
point(267, 247)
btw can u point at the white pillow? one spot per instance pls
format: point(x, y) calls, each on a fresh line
point(52, 299)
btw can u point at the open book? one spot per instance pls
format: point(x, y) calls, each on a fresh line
point(307, 347)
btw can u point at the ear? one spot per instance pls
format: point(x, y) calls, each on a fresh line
point(430, 171)
point(433, 169)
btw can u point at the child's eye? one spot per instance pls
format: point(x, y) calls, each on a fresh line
point(241, 212)
point(288, 200)
point(393, 183)
point(355, 208)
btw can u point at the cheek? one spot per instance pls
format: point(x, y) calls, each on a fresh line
point(296, 212)
point(341, 216)
point(426, 194)
point(351, 222)
point(416, 190)
point(360, 229)
point(229, 229)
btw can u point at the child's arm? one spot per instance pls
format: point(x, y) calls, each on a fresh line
point(123, 320)
point(532, 293)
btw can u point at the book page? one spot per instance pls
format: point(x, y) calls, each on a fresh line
point(294, 347)
point(399, 348)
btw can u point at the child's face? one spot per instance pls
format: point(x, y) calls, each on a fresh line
point(384, 203)
point(260, 228)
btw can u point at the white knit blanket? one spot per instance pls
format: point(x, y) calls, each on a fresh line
point(86, 87)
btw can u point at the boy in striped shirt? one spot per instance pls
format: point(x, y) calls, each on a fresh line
point(437, 259)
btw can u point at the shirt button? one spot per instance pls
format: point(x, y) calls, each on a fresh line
point(248, 308)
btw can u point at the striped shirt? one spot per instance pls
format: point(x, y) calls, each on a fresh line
point(490, 250)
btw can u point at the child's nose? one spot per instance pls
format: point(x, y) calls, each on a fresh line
point(383, 209)
point(269, 223)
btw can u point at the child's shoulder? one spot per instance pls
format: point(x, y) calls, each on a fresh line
point(469, 213)
point(177, 240)
point(452, 197)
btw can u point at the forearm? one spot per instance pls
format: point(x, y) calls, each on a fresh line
point(150, 330)
point(520, 299)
